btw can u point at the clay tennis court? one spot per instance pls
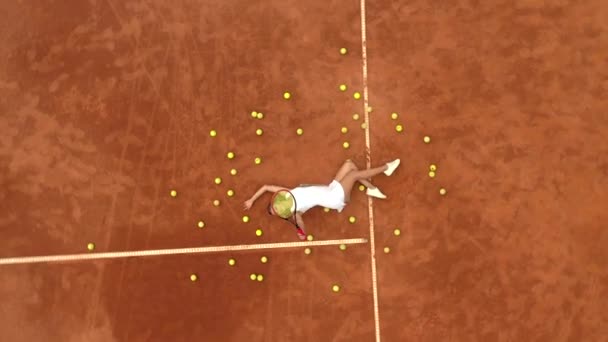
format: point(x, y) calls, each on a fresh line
point(107, 106)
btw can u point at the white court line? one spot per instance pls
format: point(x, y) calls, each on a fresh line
point(175, 251)
point(370, 203)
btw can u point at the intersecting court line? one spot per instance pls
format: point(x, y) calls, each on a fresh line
point(174, 251)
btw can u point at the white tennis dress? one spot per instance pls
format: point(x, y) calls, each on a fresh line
point(328, 196)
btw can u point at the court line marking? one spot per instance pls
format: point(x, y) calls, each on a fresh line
point(370, 202)
point(173, 251)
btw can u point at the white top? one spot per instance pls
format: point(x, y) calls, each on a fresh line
point(307, 197)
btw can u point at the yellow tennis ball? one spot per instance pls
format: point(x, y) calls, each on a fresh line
point(442, 191)
point(245, 218)
point(218, 180)
point(343, 129)
point(432, 174)
point(231, 262)
point(258, 160)
point(254, 114)
point(216, 203)
point(433, 167)
point(260, 116)
point(299, 131)
point(259, 232)
point(427, 139)
point(361, 187)
point(264, 259)
point(253, 276)
point(310, 237)
point(230, 192)
point(397, 232)
point(286, 96)
point(230, 155)
point(90, 246)
point(212, 133)
point(387, 250)
point(343, 51)
point(343, 87)
point(307, 251)
point(399, 128)
point(260, 277)
point(352, 219)
point(394, 116)
point(233, 172)
point(193, 277)
point(259, 131)
point(326, 210)
point(370, 109)
point(342, 247)
point(201, 224)
point(355, 116)
point(173, 193)
point(345, 144)
point(363, 125)
point(356, 95)
point(335, 288)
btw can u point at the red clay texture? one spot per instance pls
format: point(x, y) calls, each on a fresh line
point(107, 106)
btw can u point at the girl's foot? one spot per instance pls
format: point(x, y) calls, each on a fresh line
point(375, 192)
point(392, 166)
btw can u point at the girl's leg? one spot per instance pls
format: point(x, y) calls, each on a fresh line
point(356, 176)
point(365, 182)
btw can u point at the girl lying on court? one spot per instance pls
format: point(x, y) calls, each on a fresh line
point(290, 204)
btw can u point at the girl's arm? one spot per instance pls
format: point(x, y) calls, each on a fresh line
point(260, 192)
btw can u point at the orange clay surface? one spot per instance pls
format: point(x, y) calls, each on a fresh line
point(106, 106)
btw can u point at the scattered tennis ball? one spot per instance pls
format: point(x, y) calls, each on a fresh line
point(201, 224)
point(310, 237)
point(218, 180)
point(231, 262)
point(335, 288)
point(254, 114)
point(442, 191)
point(361, 187)
point(212, 133)
point(260, 277)
point(299, 131)
point(370, 109)
point(343, 129)
point(345, 144)
point(230, 192)
point(397, 232)
point(259, 232)
point(432, 174)
point(230, 155)
point(363, 125)
point(173, 193)
point(245, 218)
point(326, 210)
point(253, 276)
point(258, 160)
point(352, 219)
point(387, 250)
point(394, 116)
point(193, 277)
point(433, 167)
point(90, 246)
point(356, 95)
point(233, 172)
point(260, 116)
point(307, 251)
point(343, 87)
point(216, 203)
point(399, 128)
point(427, 139)
point(343, 51)
point(286, 95)
point(264, 259)
point(355, 116)
point(259, 131)
point(342, 247)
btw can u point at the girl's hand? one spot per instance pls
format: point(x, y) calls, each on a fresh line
point(248, 203)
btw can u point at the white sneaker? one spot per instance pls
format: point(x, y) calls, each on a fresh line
point(375, 193)
point(392, 166)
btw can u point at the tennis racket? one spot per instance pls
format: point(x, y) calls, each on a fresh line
point(283, 204)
